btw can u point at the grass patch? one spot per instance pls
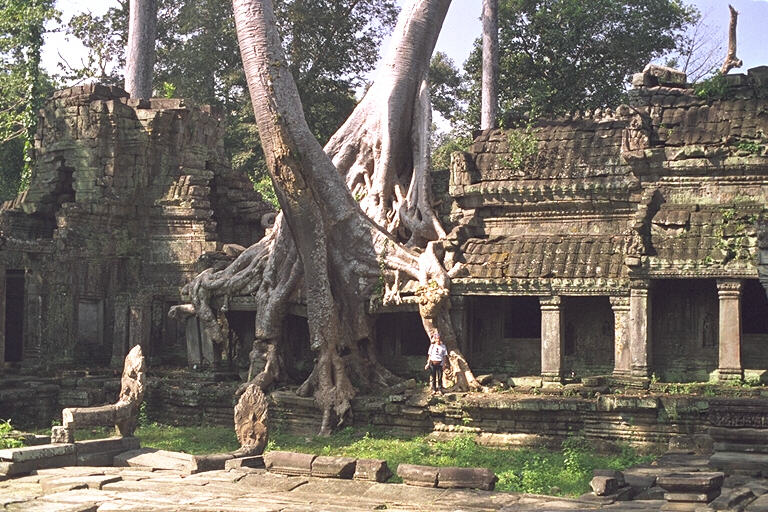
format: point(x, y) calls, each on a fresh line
point(566, 472)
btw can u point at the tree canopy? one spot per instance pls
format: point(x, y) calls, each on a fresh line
point(23, 85)
point(562, 55)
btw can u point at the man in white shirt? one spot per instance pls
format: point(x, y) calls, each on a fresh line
point(436, 359)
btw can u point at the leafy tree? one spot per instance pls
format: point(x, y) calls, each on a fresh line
point(562, 55)
point(23, 86)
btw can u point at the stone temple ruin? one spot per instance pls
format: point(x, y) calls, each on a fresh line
point(626, 243)
point(125, 199)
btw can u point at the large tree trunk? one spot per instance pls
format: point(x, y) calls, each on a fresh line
point(325, 246)
point(490, 94)
point(140, 54)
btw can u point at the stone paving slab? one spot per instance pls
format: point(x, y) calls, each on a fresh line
point(258, 491)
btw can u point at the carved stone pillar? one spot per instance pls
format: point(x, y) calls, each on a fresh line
point(729, 294)
point(622, 360)
point(551, 339)
point(640, 328)
point(2, 317)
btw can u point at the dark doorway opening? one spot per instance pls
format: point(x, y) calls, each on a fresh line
point(754, 308)
point(242, 325)
point(298, 355)
point(14, 315)
point(685, 322)
point(754, 324)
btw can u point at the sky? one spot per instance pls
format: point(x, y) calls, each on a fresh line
point(462, 26)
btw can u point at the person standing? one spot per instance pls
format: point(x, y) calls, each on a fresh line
point(436, 359)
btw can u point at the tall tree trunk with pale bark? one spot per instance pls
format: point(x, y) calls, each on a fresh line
point(140, 54)
point(490, 94)
point(325, 243)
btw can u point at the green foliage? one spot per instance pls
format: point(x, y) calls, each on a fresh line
point(713, 88)
point(563, 55)
point(195, 440)
point(732, 235)
point(169, 90)
point(6, 439)
point(23, 85)
point(263, 186)
point(445, 144)
point(750, 146)
point(521, 470)
point(447, 85)
point(522, 145)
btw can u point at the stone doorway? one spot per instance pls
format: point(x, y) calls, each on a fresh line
point(402, 343)
point(588, 336)
point(754, 323)
point(298, 354)
point(685, 320)
point(505, 335)
point(14, 316)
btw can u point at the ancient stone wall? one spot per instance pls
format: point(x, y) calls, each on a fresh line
point(668, 193)
point(124, 198)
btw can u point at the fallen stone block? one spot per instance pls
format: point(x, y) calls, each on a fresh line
point(211, 462)
point(255, 461)
point(733, 499)
point(32, 453)
point(61, 434)
point(372, 470)
point(420, 476)
point(728, 446)
point(666, 76)
point(640, 482)
point(8, 468)
point(466, 478)
point(750, 463)
point(157, 459)
point(66, 483)
point(618, 475)
point(289, 463)
point(106, 445)
point(604, 485)
point(692, 497)
point(759, 505)
point(756, 436)
point(333, 467)
point(651, 493)
point(693, 482)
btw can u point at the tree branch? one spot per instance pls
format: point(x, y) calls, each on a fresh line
point(731, 61)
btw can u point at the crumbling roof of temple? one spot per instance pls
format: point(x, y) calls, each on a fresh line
point(541, 256)
point(674, 183)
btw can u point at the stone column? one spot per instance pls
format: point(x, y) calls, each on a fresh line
point(551, 339)
point(622, 360)
point(2, 317)
point(729, 340)
point(640, 328)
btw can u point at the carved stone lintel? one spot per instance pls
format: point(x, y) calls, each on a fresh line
point(551, 302)
point(729, 287)
point(619, 303)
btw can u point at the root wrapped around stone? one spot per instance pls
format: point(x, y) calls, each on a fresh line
point(346, 247)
